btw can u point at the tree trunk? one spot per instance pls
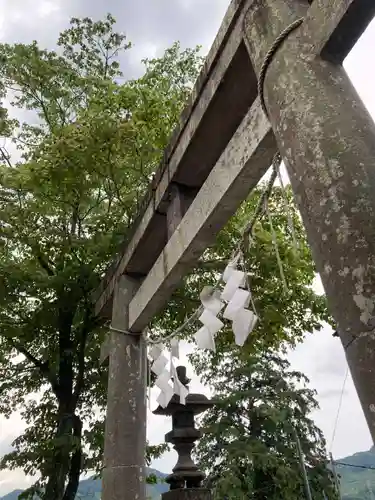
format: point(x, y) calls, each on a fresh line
point(263, 485)
point(65, 467)
point(59, 467)
point(76, 461)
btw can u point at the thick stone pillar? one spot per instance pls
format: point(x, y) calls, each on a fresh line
point(124, 474)
point(327, 140)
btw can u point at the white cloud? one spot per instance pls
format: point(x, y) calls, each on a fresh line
point(46, 8)
point(322, 359)
point(37, 11)
point(139, 51)
point(9, 430)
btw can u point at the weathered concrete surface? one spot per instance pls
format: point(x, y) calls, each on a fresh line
point(187, 494)
point(181, 199)
point(105, 350)
point(240, 167)
point(337, 26)
point(226, 87)
point(327, 140)
point(124, 475)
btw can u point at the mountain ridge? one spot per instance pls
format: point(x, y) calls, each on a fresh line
point(356, 474)
point(90, 488)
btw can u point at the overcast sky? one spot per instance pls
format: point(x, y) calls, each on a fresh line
point(153, 25)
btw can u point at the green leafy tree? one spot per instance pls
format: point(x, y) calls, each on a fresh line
point(88, 146)
point(250, 445)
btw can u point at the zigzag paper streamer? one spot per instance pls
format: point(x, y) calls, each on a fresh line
point(211, 322)
point(236, 280)
point(237, 301)
point(165, 396)
point(210, 299)
point(159, 365)
point(230, 268)
point(204, 339)
point(163, 376)
point(243, 324)
point(240, 299)
point(155, 351)
point(205, 336)
point(243, 320)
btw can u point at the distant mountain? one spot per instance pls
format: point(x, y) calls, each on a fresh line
point(357, 478)
point(12, 496)
point(90, 489)
point(356, 474)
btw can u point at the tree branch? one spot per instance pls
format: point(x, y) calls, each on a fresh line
point(44, 264)
point(215, 265)
point(42, 366)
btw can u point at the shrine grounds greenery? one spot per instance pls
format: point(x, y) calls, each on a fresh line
point(356, 482)
point(89, 141)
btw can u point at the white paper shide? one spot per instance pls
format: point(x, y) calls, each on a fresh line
point(167, 380)
point(236, 299)
point(232, 303)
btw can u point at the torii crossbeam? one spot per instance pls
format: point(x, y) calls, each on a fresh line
point(222, 147)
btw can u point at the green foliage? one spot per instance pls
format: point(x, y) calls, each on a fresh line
point(356, 482)
point(250, 447)
point(89, 144)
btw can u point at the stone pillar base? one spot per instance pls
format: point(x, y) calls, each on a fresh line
point(187, 494)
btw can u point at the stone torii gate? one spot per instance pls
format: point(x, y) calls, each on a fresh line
point(222, 147)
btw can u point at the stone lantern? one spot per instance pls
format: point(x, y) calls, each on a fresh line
point(185, 481)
